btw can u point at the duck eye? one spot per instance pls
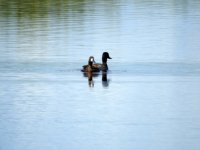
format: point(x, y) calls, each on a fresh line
point(91, 59)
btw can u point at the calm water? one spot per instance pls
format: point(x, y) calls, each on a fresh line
point(151, 97)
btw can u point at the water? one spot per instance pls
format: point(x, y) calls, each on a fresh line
point(150, 99)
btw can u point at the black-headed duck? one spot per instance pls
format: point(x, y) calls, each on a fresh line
point(103, 66)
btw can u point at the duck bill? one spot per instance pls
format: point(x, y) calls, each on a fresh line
point(109, 57)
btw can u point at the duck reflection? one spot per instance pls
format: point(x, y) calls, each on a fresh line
point(105, 81)
point(90, 79)
point(91, 75)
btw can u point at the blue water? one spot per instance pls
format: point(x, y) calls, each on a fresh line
point(150, 99)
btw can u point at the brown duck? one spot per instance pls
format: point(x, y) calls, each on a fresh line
point(90, 66)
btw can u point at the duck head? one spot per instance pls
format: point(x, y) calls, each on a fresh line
point(105, 56)
point(91, 60)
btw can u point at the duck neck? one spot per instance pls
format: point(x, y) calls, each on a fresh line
point(90, 63)
point(104, 60)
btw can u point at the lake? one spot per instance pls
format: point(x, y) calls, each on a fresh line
point(149, 98)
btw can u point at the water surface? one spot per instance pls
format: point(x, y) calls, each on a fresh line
point(150, 99)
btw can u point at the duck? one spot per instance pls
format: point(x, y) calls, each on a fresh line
point(103, 66)
point(90, 66)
